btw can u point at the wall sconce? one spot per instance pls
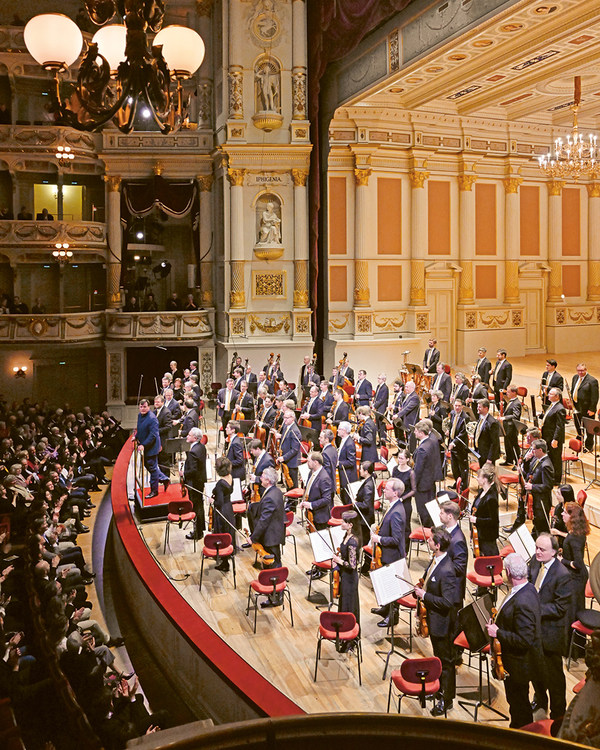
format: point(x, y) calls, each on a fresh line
point(20, 370)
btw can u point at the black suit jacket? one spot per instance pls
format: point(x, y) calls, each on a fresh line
point(428, 466)
point(246, 404)
point(410, 409)
point(459, 391)
point(488, 443)
point(363, 393)
point(269, 526)
point(330, 460)
point(341, 413)
point(365, 500)
point(459, 554)
point(435, 358)
point(320, 496)
point(315, 410)
point(445, 384)
point(235, 453)
point(392, 534)
point(194, 468)
point(519, 632)
point(461, 438)
point(486, 507)
point(542, 479)
point(512, 412)
point(368, 436)
point(347, 462)
point(551, 380)
point(442, 594)
point(165, 424)
point(553, 427)
point(190, 420)
point(587, 395)
point(555, 599)
point(483, 369)
point(502, 376)
point(381, 398)
point(174, 408)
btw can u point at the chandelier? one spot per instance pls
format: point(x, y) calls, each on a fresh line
point(62, 254)
point(120, 74)
point(578, 156)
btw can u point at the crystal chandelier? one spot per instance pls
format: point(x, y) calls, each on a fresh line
point(576, 158)
point(119, 72)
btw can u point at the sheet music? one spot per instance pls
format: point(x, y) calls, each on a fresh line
point(236, 495)
point(433, 507)
point(209, 469)
point(443, 498)
point(304, 471)
point(325, 542)
point(522, 542)
point(387, 586)
point(354, 487)
point(391, 465)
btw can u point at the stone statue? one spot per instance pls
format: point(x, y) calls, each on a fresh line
point(269, 232)
point(267, 89)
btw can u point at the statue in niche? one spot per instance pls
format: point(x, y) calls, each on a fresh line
point(267, 78)
point(269, 231)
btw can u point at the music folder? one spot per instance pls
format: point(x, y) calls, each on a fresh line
point(472, 620)
point(354, 487)
point(433, 508)
point(387, 586)
point(522, 542)
point(325, 542)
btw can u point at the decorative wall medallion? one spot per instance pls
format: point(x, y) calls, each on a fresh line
point(269, 325)
point(422, 321)
point(393, 52)
point(302, 324)
point(561, 315)
point(471, 320)
point(517, 318)
point(264, 24)
point(269, 284)
point(238, 325)
point(363, 323)
point(580, 316)
point(493, 321)
point(389, 324)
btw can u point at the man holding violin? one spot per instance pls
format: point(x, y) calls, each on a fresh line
point(269, 526)
point(540, 480)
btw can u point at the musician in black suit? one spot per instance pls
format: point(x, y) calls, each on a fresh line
point(235, 451)
point(345, 371)
point(264, 382)
point(518, 629)
point(226, 400)
point(478, 391)
point(245, 402)
point(313, 409)
point(441, 594)
point(346, 459)
point(512, 414)
point(487, 435)
point(437, 411)
point(483, 366)
point(395, 406)
point(390, 537)
point(409, 412)
point(540, 481)
point(552, 582)
point(289, 445)
point(458, 551)
point(484, 511)
point(249, 376)
point(272, 370)
point(502, 375)
point(339, 410)
point(428, 469)
point(165, 420)
point(189, 417)
point(310, 377)
point(194, 472)
point(380, 404)
point(172, 404)
point(460, 389)
point(363, 390)
point(431, 357)
point(441, 381)
point(326, 396)
point(267, 412)
point(551, 378)
point(458, 444)
point(584, 394)
point(365, 504)
point(318, 496)
point(269, 527)
point(330, 454)
point(553, 430)
point(367, 434)
point(261, 461)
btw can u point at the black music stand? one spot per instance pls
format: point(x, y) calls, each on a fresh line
point(592, 427)
point(309, 435)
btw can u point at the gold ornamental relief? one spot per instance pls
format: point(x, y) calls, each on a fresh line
point(269, 284)
point(593, 189)
point(269, 325)
point(113, 183)
point(555, 187)
point(389, 323)
point(337, 325)
point(466, 182)
point(511, 185)
point(593, 280)
point(236, 176)
point(205, 182)
point(299, 177)
point(493, 321)
point(361, 176)
point(417, 178)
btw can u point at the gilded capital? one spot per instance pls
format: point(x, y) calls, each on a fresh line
point(205, 182)
point(593, 189)
point(465, 182)
point(299, 177)
point(417, 179)
point(511, 185)
point(113, 182)
point(555, 187)
point(236, 176)
point(361, 176)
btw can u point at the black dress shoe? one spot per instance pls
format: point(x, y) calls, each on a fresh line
point(535, 706)
point(192, 535)
point(223, 567)
point(116, 643)
point(246, 545)
point(165, 483)
point(151, 495)
point(381, 611)
point(440, 708)
point(270, 603)
point(317, 574)
point(387, 622)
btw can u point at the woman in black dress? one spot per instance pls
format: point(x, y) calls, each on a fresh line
point(561, 496)
point(404, 472)
point(365, 505)
point(573, 549)
point(223, 516)
point(484, 511)
point(347, 563)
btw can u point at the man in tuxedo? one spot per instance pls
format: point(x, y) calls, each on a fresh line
point(305, 363)
point(487, 435)
point(318, 495)
point(512, 413)
point(269, 527)
point(194, 471)
point(346, 460)
point(261, 461)
point(310, 377)
point(441, 381)
point(458, 445)
point(553, 430)
point(584, 393)
point(326, 396)
point(289, 445)
point(391, 540)
point(339, 410)
point(363, 390)
point(540, 480)
point(431, 357)
point(272, 371)
point(380, 404)
point(245, 402)
point(165, 419)
point(478, 391)
point(267, 413)
point(395, 406)
point(460, 389)
point(226, 400)
point(238, 377)
point(483, 366)
point(502, 375)
point(264, 382)
point(553, 583)
point(457, 551)
point(518, 628)
point(313, 409)
point(409, 413)
point(330, 455)
point(428, 469)
point(440, 594)
point(551, 378)
point(235, 451)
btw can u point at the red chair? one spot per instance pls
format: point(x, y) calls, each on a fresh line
point(461, 642)
point(487, 572)
point(416, 678)
point(268, 583)
point(589, 594)
point(339, 628)
point(327, 567)
point(419, 536)
point(575, 446)
point(336, 514)
point(381, 466)
point(506, 551)
point(179, 512)
point(522, 394)
point(407, 604)
point(217, 547)
point(289, 520)
point(507, 481)
point(578, 688)
point(581, 498)
point(581, 632)
point(542, 726)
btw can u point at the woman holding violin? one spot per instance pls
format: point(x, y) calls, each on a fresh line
point(573, 549)
point(484, 518)
point(347, 561)
point(365, 504)
point(223, 518)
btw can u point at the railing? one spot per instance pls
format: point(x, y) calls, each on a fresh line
point(37, 138)
point(46, 233)
point(164, 324)
point(51, 328)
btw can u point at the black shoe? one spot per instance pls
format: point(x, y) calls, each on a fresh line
point(192, 535)
point(83, 529)
point(317, 574)
point(165, 483)
point(440, 708)
point(151, 495)
point(270, 603)
point(89, 506)
point(87, 581)
point(381, 611)
point(246, 545)
point(452, 486)
point(535, 706)
point(88, 574)
point(116, 643)
point(387, 622)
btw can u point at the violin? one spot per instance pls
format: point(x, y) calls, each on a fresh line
point(475, 535)
point(376, 561)
point(497, 666)
point(530, 500)
point(336, 579)
point(289, 482)
point(210, 517)
point(266, 558)
point(255, 495)
point(422, 626)
point(182, 481)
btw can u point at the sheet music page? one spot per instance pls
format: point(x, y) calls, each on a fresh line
point(522, 542)
point(387, 586)
point(236, 495)
point(326, 542)
point(433, 508)
point(304, 471)
point(354, 487)
point(443, 498)
point(391, 464)
point(208, 488)
point(209, 469)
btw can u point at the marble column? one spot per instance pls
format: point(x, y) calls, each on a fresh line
point(418, 235)
point(512, 234)
point(361, 238)
point(205, 183)
point(466, 234)
point(299, 60)
point(237, 39)
point(113, 227)
point(555, 239)
point(204, 76)
point(593, 291)
point(237, 293)
point(299, 177)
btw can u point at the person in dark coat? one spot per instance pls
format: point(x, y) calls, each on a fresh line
point(363, 390)
point(318, 495)
point(406, 474)
point(380, 404)
point(518, 629)
point(235, 451)
point(339, 409)
point(573, 550)
point(457, 551)
point(367, 434)
point(553, 583)
point(484, 511)
point(584, 392)
point(290, 445)
point(365, 506)
point(269, 529)
point(431, 357)
point(487, 434)
point(441, 381)
point(194, 471)
point(553, 430)
point(502, 375)
point(313, 409)
point(346, 460)
point(483, 366)
point(330, 456)
point(458, 444)
point(347, 564)
point(551, 378)
point(223, 515)
point(147, 434)
point(512, 413)
point(165, 421)
point(540, 480)
point(409, 413)
point(428, 470)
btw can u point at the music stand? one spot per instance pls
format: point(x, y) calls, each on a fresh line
point(177, 445)
point(592, 427)
point(309, 435)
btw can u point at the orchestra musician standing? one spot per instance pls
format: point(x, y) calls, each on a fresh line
point(226, 400)
point(363, 390)
point(553, 430)
point(318, 495)
point(483, 366)
point(485, 515)
point(428, 469)
point(584, 394)
point(457, 551)
point(290, 445)
point(486, 439)
point(339, 411)
point(326, 396)
point(442, 381)
point(223, 515)
point(367, 434)
point(431, 357)
point(261, 461)
point(365, 504)
point(502, 375)
point(346, 460)
point(406, 474)
point(540, 480)
point(573, 550)
point(380, 404)
point(269, 527)
point(235, 451)
point(395, 406)
point(313, 409)
point(460, 389)
point(458, 445)
point(244, 407)
point(347, 563)
point(512, 414)
point(345, 371)
point(551, 378)
point(478, 391)
point(437, 411)
point(409, 412)
point(330, 454)
point(194, 472)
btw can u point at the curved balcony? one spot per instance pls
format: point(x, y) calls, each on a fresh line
point(46, 329)
point(22, 139)
point(159, 325)
point(36, 234)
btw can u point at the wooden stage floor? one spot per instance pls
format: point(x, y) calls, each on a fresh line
point(286, 655)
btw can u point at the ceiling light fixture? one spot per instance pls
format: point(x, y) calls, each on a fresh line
point(119, 71)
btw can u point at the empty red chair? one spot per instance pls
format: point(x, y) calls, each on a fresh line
point(217, 547)
point(416, 678)
point(269, 583)
point(336, 514)
point(568, 458)
point(339, 628)
point(487, 572)
point(180, 512)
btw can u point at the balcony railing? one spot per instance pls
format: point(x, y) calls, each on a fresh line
point(45, 233)
point(94, 326)
point(40, 138)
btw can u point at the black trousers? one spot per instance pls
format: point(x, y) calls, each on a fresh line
point(550, 678)
point(198, 502)
point(541, 515)
point(581, 431)
point(555, 455)
point(517, 695)
point(276, 551)
point(511, 445)
point(443, 648)
point(459, 461)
